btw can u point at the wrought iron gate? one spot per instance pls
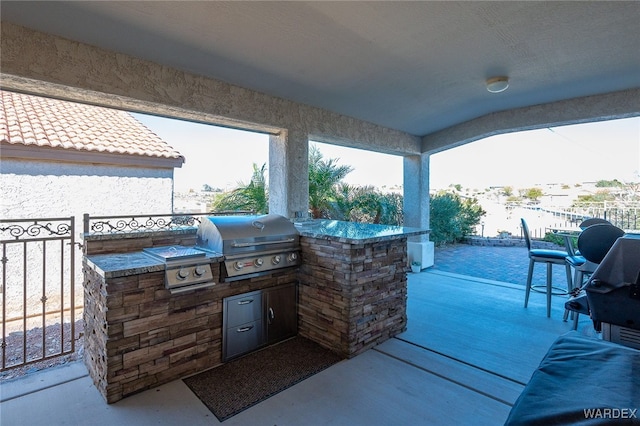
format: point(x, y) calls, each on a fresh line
point(38, 290)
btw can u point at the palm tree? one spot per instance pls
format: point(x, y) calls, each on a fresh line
point(324, 177)
point(328, 196)
point(252, 196)
point(341, 206)
point(365, 204)
point(391, 212)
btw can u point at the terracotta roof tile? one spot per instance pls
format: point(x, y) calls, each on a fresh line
point(33, 120)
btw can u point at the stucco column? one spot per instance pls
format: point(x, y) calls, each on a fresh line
point(416, 192)
point(289, 173)
point(416, 207)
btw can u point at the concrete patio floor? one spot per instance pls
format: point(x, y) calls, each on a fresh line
point(469, 349)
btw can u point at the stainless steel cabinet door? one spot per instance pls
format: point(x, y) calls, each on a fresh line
point(282, 314)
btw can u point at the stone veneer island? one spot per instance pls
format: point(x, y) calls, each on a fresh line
point(352, 293)
point(137, 335)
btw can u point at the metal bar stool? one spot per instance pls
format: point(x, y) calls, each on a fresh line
point(549, 258)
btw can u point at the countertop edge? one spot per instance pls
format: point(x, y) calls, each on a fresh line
point(110, 265)
point(361, 240)
point(318, 232)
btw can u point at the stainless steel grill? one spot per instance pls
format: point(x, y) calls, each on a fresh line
point(252, 245)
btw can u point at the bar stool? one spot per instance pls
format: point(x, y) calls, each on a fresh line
point(594, 242)
point(549, 258)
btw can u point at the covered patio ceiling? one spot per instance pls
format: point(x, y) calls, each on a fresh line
point(416, 67)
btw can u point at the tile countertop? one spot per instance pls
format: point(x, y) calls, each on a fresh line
point(125, 264)
point(354, 233)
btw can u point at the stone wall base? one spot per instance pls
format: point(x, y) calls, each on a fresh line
point(509, 242)
point(352, 296)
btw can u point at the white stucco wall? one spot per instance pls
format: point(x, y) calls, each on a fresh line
point(30, 189)
point(53, 189)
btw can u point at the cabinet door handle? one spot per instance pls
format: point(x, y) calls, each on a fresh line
point(245, 302)
point(243, 329)
point(271, 315)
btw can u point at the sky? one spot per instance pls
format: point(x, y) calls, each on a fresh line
point(221, 157)
point(565, 154)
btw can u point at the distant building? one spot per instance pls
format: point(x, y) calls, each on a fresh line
point(192, 202)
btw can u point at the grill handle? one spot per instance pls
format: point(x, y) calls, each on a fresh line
point(262, 243)
point(191, 287)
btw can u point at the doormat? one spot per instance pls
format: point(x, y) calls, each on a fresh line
point(237, 385)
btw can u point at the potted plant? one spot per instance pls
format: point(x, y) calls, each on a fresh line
point(416, 266)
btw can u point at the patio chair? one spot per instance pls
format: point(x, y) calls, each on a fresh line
point(597, 241)
point(584, 225)
point(593, 244)
point(592, 221)
point(549, 258)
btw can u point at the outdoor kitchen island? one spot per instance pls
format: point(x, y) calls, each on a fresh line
point(160, 306)
point(352, 291)
point(155, 305)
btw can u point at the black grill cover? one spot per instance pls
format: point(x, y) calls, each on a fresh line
point(614, 289)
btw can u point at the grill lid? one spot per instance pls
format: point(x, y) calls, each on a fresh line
point(236, 234)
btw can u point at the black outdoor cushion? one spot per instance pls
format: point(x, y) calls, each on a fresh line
point(582, 381)
point(556, 254)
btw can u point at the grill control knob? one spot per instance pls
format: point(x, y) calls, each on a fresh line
point(199, 271)
point(182, 274)
point(258, 262)
point(238, 265)
point(292, 257)
point(276, 259)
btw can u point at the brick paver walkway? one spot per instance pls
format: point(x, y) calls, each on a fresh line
point(506, 264)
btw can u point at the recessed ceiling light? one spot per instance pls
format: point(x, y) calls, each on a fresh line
point(497, 84)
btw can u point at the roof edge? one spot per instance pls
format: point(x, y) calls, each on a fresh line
point(43, 153)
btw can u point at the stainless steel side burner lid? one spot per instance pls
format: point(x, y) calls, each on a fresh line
point(186, 268)
point(251, 245)
point(173, 253)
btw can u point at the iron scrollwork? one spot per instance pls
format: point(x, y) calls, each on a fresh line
point(137, 223)
point(34, 230)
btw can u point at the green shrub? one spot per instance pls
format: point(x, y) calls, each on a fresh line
point(453, 218)
point(558, 239)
